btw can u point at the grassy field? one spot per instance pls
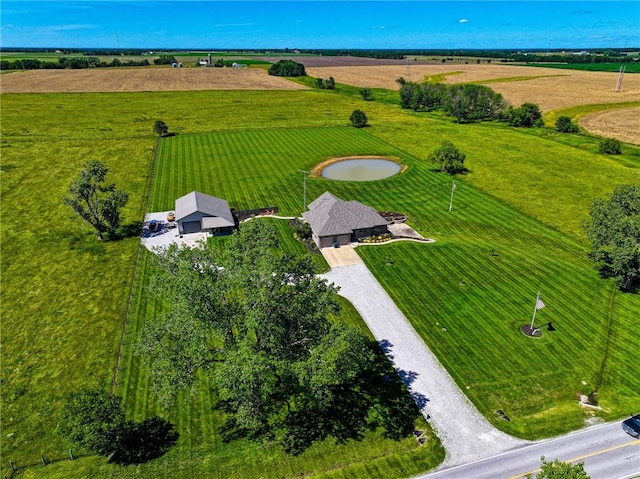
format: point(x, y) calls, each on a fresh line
point(201, 444)
point(591, 67)
point(501, 256)
point(64, 294)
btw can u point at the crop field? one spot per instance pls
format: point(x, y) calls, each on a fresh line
point(592, 67)
point(517, 215)
point(612, 123)
point(138, 79)
point(549, 88)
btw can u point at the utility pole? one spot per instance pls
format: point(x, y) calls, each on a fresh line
point(453, 188)
point(304, 188)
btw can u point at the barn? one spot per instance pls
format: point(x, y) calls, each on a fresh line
point(335, 222)
point(198, 212)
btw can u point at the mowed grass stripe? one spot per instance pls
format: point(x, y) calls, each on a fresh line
point(199, 424)
point(502, 288)
point(529, 257)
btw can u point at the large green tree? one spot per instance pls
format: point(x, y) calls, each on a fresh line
point(561, 470)
point(358, 119)
point(160, 128)
point(255, 321)
point(93, 420)
point(97, 203)
point(469, 102)
point(448, 158)
point(287, 68)
point(614, 232)
point(527, 115)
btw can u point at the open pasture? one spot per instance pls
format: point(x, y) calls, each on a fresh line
point(469, 293)
point(138, 79)
point(64, 294)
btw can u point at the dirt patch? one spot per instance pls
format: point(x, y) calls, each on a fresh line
point(143, 79)
point(615, 124)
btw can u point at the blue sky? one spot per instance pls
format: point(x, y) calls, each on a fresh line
point(313, 24)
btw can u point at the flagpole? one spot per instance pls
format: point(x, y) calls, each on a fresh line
point(535, 308)
point(453, 187)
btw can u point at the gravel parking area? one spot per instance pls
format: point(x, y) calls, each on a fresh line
point(466, 435)
point(166, 234)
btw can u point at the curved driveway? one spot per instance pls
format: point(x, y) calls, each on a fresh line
point(466, 435)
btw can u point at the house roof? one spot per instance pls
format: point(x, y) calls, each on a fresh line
point(328, 215)
point(206, 204)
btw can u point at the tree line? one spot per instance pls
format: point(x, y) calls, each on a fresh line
point(467, 103)
point(75, 63)
point(603, 55)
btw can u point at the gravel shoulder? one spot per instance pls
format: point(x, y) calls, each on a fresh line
point(466, 435)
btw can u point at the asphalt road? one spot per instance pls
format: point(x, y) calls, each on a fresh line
point(606, 450)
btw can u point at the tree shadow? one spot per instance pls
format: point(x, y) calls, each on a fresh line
point(377, 398)
point(386, 347)
point(408, 378)
point(145, 441)
point(129, 230)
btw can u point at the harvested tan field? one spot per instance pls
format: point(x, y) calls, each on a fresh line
point(550, 88)
point(143, 79)
point(556, 89)
point(615, 124)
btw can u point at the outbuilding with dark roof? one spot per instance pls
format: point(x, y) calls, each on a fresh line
point(336, 222)
point(197, 212)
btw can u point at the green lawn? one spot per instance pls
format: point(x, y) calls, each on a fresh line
point(591, 67)
point(500, 256)
point(65, 294)
point(201, 445)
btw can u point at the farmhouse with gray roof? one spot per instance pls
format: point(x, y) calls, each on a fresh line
point(197, 212)
point(334, 221)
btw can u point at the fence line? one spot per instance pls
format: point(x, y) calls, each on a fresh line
point(16, 469)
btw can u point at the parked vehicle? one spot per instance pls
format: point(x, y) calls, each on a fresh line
point(632, 426)
point(171, 216)
point(153, 225)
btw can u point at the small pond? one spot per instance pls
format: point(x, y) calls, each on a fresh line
point(361, 169)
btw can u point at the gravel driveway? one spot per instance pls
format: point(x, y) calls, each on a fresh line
point(466, 435)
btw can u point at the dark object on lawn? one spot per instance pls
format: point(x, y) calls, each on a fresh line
point(632, 426)
point(153, 225)
point(550, 327)
point(500, 413)
point(527, 330)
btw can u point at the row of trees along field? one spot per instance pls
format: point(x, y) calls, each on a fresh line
point(467, 103)
point(601, 55)
point(79, 63)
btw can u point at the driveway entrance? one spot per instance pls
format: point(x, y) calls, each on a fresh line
point(466, 435)
point(342, 256)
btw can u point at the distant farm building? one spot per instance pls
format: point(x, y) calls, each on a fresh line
point(198, 212)
point(335, 222)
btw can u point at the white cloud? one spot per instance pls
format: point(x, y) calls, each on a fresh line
point(463, 20)
point(62, 28)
